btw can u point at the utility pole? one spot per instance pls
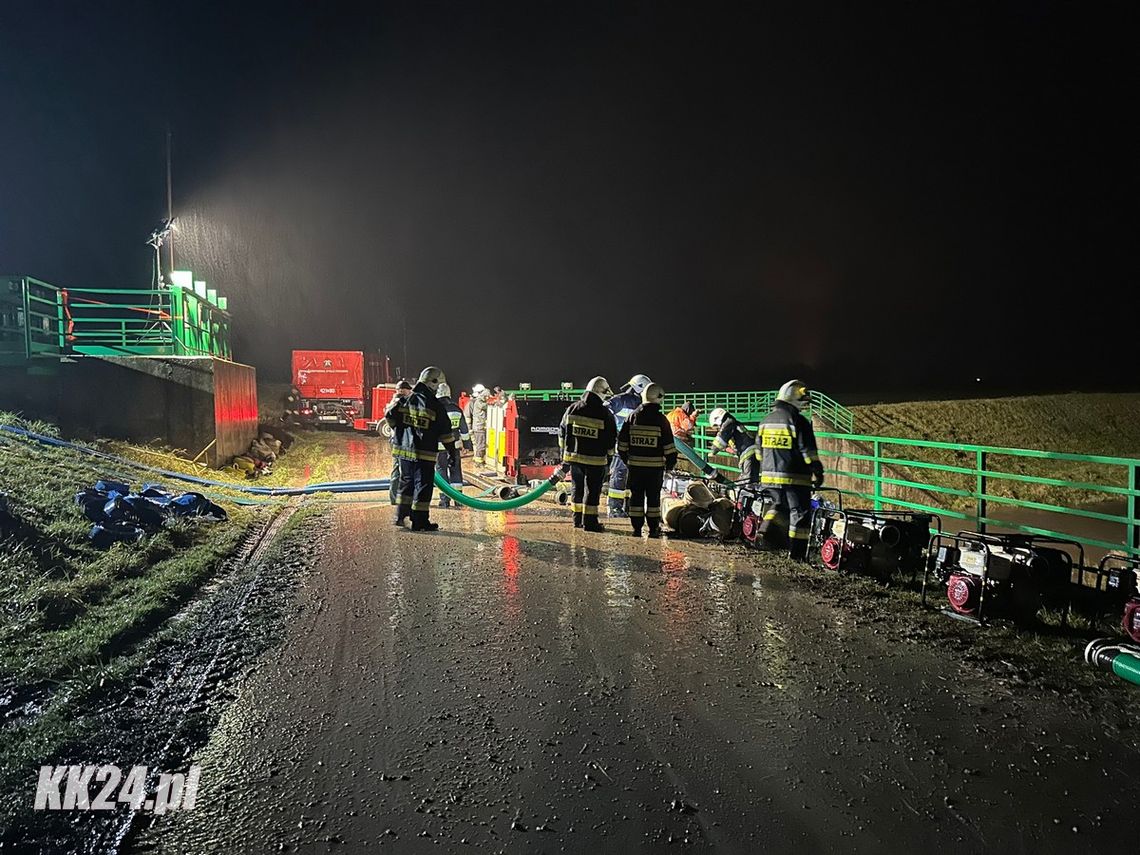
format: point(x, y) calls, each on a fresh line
point(169, 199)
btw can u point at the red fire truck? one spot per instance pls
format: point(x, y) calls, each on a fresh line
point(331, 383)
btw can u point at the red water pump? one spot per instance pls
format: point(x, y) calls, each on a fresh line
point(1010, 575)
point(877, 543)
point(1118, 581)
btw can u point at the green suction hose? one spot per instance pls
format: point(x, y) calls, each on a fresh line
point(499, 504)
point(1121, 658)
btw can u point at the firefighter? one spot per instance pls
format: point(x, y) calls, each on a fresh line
point(622, 406)
point(420, 424)
point(449, 465)
point(789, 467)
point(731, 432)
point(476, 415)
point(403, 389)
point(645, 445)
point(587, 437)
point(683, 420)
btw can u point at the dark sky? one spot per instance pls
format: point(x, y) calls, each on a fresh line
point(878, 196)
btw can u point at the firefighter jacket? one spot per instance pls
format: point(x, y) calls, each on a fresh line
point(623, 405)
point(420, 425)
point(732, 432)
point(587, 434)
point(458, 423)
point(476, 412)
point(646, 439)
point(788, 452)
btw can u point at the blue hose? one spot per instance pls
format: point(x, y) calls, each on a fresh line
point(367, 486)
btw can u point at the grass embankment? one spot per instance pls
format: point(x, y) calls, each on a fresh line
point(67, 605)
point(1101, 424)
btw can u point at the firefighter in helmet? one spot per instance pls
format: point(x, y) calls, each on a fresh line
point(731, 432)
point(447, 464)
point(587, 436)
point(645, 445)
point(420, 424)
point(622, 407)
point(476, 414)
point(789, 468)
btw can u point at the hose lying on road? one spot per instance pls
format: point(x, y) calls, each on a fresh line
point(1123, 660)
point(500, 505)
point(366, 486)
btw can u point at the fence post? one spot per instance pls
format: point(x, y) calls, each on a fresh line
point(1134, 508)
point(980, 509)
point(877, 472)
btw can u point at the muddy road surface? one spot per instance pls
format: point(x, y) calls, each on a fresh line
point(512, 684)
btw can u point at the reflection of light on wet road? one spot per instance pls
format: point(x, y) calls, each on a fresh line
point(673, 601)
point(619, 595)
point(510, 580)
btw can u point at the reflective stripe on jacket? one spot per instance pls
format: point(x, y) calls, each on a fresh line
point(587, 433)
point(646, 439)
point(788, 453)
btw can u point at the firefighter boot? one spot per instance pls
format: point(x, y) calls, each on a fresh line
point(654, 530)
point(420, 522)
point(799, 549)
point(591, 524)
point(577, 519)
point(636, 528)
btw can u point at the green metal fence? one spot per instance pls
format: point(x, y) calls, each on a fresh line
point(747, 406)
point(41, 320)
point(31, 318)
point(1094, 499)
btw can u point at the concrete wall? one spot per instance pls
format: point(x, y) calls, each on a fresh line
point(195, 404)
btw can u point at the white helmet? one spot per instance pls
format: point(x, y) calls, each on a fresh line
point(600, 386)
point(716, 417)
point(638, 382)
point(432, 377)
point(444, 391)
point(654, 393)
point(478, 389)
point(795, 392)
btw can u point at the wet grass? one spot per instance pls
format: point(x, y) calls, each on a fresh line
point(65, 605)
point(83, 720)
point(1100, 424)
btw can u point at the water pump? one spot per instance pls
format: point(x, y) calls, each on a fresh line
point(1118, 586)
point(869, 542)
point(1007, 575)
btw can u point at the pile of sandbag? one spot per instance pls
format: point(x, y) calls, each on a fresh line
point(700, 513)
point(120, 515)
point(263, 452)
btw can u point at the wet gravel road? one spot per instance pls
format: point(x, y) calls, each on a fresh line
point(512, 684)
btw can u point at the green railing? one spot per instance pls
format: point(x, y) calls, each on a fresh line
point(1085, 497)
point(42, 320)
point(747, 406)
point(30, 319)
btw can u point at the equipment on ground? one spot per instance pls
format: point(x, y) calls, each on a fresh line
point(550, 483)
point(1118, 588)
point(1121, 659)
point(1005, 575)
point(331, 386)
point(869, 542)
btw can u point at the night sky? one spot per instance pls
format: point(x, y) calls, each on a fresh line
point(885, 198)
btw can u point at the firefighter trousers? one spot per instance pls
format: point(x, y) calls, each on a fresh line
point(479, 444)
point(619, 479)
point(750, 465)
point(452, 473)
point(790, 509)
point(416, 486)
point(394, 482)
point(587, 493)
point(645, 497)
